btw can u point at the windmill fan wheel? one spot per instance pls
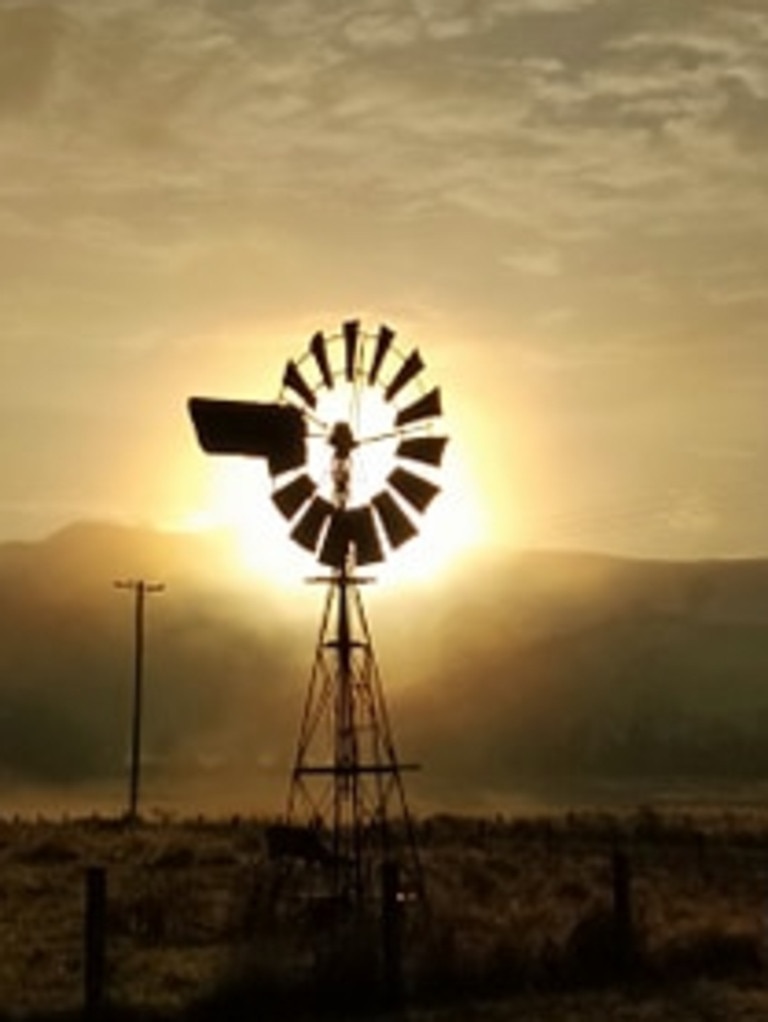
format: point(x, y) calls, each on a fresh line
point(371, 453)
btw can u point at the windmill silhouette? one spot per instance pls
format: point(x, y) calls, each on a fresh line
point(352, 453)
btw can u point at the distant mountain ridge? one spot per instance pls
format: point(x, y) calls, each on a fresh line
point(613, 670)
point(537, 668)
point(66, 651)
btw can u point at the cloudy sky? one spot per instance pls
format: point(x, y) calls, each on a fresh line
point(563, 203)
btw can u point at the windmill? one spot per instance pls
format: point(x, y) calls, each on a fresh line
point(352, 451)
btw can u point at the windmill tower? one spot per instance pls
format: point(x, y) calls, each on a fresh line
point(352, 422)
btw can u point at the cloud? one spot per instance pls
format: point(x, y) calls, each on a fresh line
point(538, 264)
point(31, 33)
point(374, 31)
point(195, 105)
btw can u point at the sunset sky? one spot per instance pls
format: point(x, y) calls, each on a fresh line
point(563, 203)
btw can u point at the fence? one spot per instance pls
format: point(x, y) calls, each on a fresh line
point(163, 916)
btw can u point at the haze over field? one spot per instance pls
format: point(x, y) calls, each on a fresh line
point(552, 677)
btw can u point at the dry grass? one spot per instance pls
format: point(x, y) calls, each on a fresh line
point(529, 904)
point(519, 909)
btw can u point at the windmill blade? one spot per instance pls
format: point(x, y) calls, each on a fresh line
point(337, 540)
point(320, 353)
point(292, 378)
point(410, 368)
point(293, 496)
point(426, 407)
point(398, 528)
point(272, 431)
point(307, 531)
point(351, 333)
point(427, 449)
point(383, 344)
point(366, 539)
point(417, 491)
point(351, 527)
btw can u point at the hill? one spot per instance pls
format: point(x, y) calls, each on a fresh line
point(537, 671)
point(581, 671)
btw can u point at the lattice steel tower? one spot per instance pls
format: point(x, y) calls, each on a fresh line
point(351, 410)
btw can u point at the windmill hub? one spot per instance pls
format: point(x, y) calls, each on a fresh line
point(342, 440)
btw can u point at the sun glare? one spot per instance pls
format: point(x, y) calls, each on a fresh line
point(360, 429)
point(238, 500)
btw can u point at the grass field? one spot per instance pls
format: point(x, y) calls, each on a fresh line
point(521, 919)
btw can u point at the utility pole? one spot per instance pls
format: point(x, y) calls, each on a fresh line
point(141, 589)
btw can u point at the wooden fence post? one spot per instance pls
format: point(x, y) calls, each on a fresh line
point(622, 910)
point(391, 934)
point(94, 939)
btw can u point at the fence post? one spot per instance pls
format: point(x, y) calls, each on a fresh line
point(391, 934)
point(94, 938)
point(622, 909)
